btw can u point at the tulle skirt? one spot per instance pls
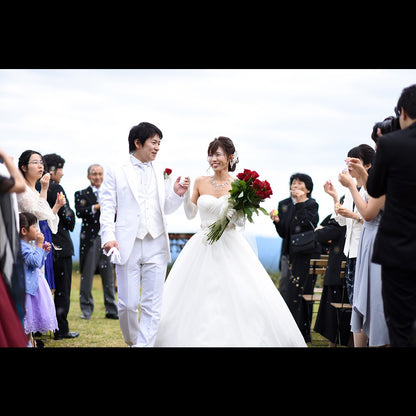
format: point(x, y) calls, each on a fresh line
point(220, 295)
point(40, 313)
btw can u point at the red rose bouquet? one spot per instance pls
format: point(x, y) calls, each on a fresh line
point(246, 194)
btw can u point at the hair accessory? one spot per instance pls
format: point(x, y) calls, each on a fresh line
point(234, 160)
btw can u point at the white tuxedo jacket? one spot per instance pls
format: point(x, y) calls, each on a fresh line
point(118, 196)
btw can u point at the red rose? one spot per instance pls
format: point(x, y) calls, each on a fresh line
point(166, 173)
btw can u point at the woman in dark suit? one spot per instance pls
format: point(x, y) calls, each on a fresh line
point(305, 217)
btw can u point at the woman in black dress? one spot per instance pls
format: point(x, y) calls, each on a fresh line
point(334, 289)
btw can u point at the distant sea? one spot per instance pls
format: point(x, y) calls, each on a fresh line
point(268, 249)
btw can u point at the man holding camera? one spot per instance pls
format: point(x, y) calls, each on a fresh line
point(395, 244)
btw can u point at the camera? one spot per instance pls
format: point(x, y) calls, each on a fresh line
point(388, 125)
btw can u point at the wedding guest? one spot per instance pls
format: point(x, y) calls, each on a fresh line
point(395, 242)
point(92, 258)
point(334, 328)
point(63, 246)
point(347, 214)
point(40, 313)
point(305, 217)
point(367, 313)
point(33, 200)
point(281, 222)
point(12, 281)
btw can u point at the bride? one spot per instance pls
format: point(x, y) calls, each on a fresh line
point(220, 294)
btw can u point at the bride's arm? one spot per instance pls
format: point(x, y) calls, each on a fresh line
point(195, 192)
point(189, 204)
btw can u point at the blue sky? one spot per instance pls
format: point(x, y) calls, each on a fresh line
point(281, 121)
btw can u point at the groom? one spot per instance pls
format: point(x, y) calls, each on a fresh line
point(134, 200)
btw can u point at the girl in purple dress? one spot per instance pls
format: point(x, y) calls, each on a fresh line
point(40, 313)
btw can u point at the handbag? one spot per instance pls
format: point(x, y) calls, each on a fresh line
point(304, 242)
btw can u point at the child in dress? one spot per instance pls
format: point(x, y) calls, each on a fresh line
point(40, 315)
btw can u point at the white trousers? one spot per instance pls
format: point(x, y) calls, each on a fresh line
point(145, 269)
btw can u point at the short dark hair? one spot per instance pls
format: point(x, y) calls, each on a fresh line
point(303, 177)
point(142, 131)
point(364, 152)
point(407, 100)
point(53, 161)
point(26, 219)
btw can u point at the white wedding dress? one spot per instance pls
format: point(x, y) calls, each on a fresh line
point(220, 295)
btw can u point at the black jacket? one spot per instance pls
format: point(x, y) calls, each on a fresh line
point(62, 239)
point(286, 209)
point(335, 233)
point(84, 200)
point(393, 174)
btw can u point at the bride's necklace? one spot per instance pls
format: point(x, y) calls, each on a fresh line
point(219, 186)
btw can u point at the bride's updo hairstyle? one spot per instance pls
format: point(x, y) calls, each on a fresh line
point(228, 146)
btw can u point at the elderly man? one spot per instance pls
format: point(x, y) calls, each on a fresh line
point(92, 258)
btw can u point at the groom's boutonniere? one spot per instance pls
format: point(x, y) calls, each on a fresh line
point(167, 173)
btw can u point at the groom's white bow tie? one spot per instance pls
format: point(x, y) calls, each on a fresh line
point(141, 164)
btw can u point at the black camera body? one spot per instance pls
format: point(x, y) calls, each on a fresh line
point(388, 125)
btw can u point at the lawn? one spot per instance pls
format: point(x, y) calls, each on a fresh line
point(95, 332)
point(102, 332)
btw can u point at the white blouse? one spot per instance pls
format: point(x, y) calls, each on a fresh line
point(354, 228)
point(30, 201)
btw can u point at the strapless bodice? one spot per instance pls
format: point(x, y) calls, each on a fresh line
point(211, 208)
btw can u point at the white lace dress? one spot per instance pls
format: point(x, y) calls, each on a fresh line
point(30, 201)
point(220, 294)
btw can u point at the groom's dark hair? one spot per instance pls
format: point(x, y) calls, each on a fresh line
point(142, 131)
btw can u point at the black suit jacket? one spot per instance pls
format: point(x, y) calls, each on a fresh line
point(335, 233)
point(62, 239)
point(84, 200)
point(286, 210)
point(393, 174)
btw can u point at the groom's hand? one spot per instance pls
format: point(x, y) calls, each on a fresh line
point(180, 187)
point(109, 245)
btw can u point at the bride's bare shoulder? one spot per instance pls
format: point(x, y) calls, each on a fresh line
point(202, 179)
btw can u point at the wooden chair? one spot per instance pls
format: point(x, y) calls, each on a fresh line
point(316, 267)
point(341, 307)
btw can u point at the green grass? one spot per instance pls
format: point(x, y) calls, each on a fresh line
point(95, 332)
point(101, 332)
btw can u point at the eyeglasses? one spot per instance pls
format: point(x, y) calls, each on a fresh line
point(36, 162)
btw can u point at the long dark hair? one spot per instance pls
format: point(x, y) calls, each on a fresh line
point(24, 159)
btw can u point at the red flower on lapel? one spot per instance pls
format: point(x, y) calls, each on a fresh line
point(167, 173)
